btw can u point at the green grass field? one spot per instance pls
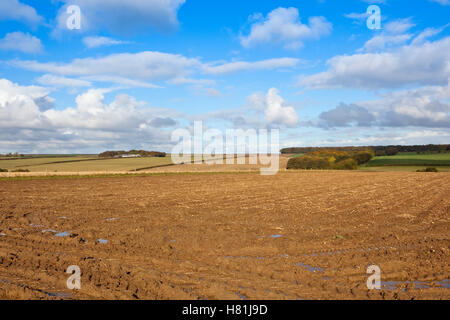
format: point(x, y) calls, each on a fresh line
point(406, 162)
point(402, 168)
point(297, 155)
point(417, 160)
point(83, 164)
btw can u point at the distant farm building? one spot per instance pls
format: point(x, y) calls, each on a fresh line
point(128, 156)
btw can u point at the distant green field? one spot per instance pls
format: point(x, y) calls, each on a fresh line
point(83, 164)
point(434, 160)
point(297, 155)
point(402, 168)
point(11, 164)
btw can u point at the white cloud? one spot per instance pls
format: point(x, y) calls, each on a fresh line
point(23, 42)
point(124, 17)
point(426, 107)
point(428, 33)
point(423, 107)
point(136, 69)
point(57, 81)
point(283, 26)
point(425, 64)
point(360, 17)
point(392, 35)
point(15, 10)
point(268, 64)
point(28, 121)
point(121, 81)
point(93, 113)
point(95, 42)
point(383, 41)
point(399, 26)
point(277, 111)
point(146, 65)
point(21, 106)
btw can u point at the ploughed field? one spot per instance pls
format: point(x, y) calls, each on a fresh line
point(295, 235)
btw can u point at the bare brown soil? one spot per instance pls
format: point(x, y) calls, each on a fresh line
point(295, 235)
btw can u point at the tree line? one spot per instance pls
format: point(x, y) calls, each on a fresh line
point(379, 150)
point(332, 159)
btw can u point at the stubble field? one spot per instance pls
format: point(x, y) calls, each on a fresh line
point(295, 235)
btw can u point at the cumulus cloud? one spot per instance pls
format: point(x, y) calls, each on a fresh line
point(28, 120)
point(346, 115)
point(424, 64)
point(95, 42)
point(22, 106)
point(283, 26)
point(15, 10)
point(261, 110)
point(23, 42)
point(426, 107)
point(124, 17)
point(277, 111)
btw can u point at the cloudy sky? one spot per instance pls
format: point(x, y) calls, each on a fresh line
point(137, 70)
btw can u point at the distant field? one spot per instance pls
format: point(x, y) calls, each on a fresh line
point(407, 168)
point(438, 159)
point(297, 155)
point(91, 163)
point(12, 164)
point(83, 164)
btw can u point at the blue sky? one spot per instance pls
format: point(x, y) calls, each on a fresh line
point(137, 70)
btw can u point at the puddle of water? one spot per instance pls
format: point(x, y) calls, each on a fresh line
point(111, 219)
point(103, 241)
point(50, 294)
point(394, 285)
point(312, 269)
point(59, 294)
point(274, 236)
point(242, 296)
point(444, 283)
point(62, 234)
point(49, 230)
point(389, 285)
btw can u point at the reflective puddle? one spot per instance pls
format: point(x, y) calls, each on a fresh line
point(62, 234)
point(49, 230)
point(394, 285)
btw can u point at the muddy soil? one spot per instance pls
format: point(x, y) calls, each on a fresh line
point(295, 235)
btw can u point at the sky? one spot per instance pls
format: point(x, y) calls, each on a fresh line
point(131, 72)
